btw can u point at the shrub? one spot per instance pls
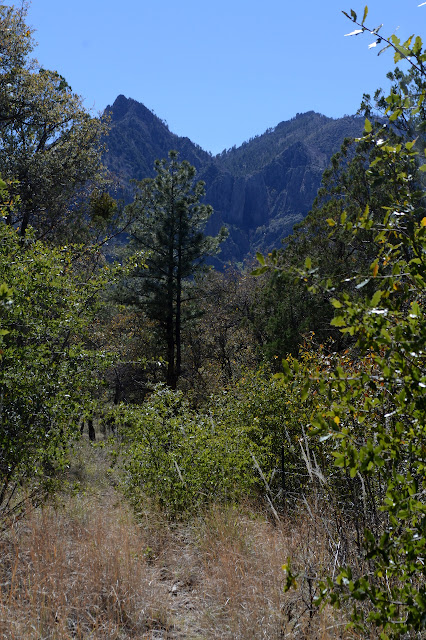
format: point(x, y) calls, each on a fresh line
point(231, 450)
point(47, 370)
point(183, 458)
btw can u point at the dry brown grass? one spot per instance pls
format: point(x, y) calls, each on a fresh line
point(243, 581)
point(86, 569)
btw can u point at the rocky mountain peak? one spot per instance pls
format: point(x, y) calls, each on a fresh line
point(259, 190)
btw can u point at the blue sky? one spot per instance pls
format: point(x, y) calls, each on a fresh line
point(219, 72)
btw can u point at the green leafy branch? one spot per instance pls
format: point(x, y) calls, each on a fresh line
point(407, 50)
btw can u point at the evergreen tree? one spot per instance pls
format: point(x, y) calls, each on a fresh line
point(169, 230)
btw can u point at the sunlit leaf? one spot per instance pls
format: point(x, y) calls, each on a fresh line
point(410, 145)
point(305, 391)
point(418, 43)
point(286, 368)
point(363, 283)
point(260, 270)
point(338, 322)
point(376, 298)
point(355, 32)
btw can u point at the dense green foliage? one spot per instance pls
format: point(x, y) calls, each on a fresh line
point(377, 406)
point(182, 458)
point(47, 369)
point(49, 154)
point(231, 449)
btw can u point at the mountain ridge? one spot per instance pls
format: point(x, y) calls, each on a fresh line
point(259, 190)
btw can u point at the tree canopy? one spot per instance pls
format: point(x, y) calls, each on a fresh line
point(49, 143)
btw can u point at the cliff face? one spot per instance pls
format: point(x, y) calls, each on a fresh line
point(259, 190)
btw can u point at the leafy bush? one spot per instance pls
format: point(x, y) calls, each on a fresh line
point(276, 416)
point(231, 450)
point(46, 370)
point(182, 458)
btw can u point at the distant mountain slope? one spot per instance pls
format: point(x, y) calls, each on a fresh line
point(259, 190)
point(138, 137)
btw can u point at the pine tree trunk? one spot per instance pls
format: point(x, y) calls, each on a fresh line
point(178, 319)
point(171, 369)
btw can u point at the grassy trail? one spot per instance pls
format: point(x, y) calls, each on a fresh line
point(86, 569)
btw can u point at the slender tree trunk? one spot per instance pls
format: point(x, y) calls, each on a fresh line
point(24, 224)
point(178, 331)
point(118, 394)
point(178, 319)
point(171, 368)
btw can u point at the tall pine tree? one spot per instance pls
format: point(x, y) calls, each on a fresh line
point(169, 229)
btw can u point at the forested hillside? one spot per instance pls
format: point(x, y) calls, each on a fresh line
point(196, 453)
point(259, 190)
